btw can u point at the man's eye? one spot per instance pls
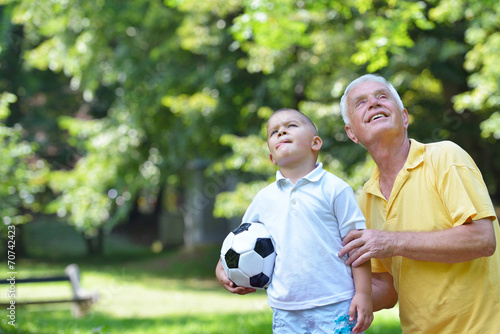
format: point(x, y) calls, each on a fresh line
point(383, 97)
point(295, 125)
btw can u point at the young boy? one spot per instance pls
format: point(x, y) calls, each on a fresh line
point(307, 212)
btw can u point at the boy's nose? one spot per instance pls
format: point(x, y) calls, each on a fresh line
point(282, 132)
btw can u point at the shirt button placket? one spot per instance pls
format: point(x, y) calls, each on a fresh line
point(293, 202)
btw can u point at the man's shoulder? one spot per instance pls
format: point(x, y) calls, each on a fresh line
point(443, 146)
point(447, 153)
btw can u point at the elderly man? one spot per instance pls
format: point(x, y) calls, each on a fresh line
point(432, 227)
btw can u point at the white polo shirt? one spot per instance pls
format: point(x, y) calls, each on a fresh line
point(307, 222)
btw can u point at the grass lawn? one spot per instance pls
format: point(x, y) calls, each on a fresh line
point(174, 292)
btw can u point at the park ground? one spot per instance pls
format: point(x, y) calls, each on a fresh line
point(141, 291)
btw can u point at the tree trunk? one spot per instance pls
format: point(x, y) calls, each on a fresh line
point(95, 244)
point(200, 226)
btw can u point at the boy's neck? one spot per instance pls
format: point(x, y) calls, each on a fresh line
point(296, 172)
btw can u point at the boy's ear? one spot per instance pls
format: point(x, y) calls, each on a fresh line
point(351, 134)
point(272, 160)
point(316, 143)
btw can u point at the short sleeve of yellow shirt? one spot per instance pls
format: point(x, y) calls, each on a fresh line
point(439, 187)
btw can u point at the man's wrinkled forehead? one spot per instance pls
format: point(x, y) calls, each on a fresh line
point(364, 89)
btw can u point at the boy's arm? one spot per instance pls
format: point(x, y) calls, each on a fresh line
point(361, 304)
point(227, 283)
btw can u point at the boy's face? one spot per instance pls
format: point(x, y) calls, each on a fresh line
point(291, 139)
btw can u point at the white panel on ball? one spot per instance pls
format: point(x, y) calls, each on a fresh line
point(239, 278)
point(251, 263)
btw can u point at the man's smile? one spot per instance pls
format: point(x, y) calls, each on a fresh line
point(377, 115)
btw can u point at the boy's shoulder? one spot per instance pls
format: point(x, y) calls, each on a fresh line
point(331, 178)
point(268, 189)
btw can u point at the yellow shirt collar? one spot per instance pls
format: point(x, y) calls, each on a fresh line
point(414, 159)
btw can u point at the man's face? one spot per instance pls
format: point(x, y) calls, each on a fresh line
point(291, 139)
point(373, 111)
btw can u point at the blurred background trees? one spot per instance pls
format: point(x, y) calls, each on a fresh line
point(150, 113)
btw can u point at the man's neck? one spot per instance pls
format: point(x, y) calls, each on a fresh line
point(390, 158)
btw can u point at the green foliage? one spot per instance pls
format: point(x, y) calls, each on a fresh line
point(483, 36)
point(234, 203)
point(398, 19)
point(422, 48)
point(22, 175)
point(156, 120)
point(146, 87)
point(491, 127)
point(90, 193)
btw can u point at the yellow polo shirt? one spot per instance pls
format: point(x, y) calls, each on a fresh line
point(438, 188)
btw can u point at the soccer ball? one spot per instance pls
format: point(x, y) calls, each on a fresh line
point(248, 256)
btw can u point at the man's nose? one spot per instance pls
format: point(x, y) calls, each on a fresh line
point(372, 102)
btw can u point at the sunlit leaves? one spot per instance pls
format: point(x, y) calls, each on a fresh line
point(427, 84)
point(218, 7)
point(265, 29)
point(250, 154)
point(234, 203)
point(204, 25)
point(483, 58)
point(268, 31)
point(84, 193)
point(22, 174)
point(190, 106)
point(390, 28)
point(491, 127)
point(5, 100)
point(189, 79)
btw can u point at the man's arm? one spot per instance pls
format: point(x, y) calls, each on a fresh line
point(383, 293)
point(462, 243)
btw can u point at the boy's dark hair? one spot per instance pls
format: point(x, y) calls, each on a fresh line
point(307, 119)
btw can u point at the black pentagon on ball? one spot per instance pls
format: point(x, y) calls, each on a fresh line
point(264, 247)
point(232, 258)
point(259, 281)
point(241, 228)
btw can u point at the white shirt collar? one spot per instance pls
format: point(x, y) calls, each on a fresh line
point(313, 176)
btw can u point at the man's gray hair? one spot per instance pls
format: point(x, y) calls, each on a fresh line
point(365, 78)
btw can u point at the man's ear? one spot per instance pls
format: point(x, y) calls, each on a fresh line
point(351, 134)
point(272, 160)
point(406, 118)
point(316, 143)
